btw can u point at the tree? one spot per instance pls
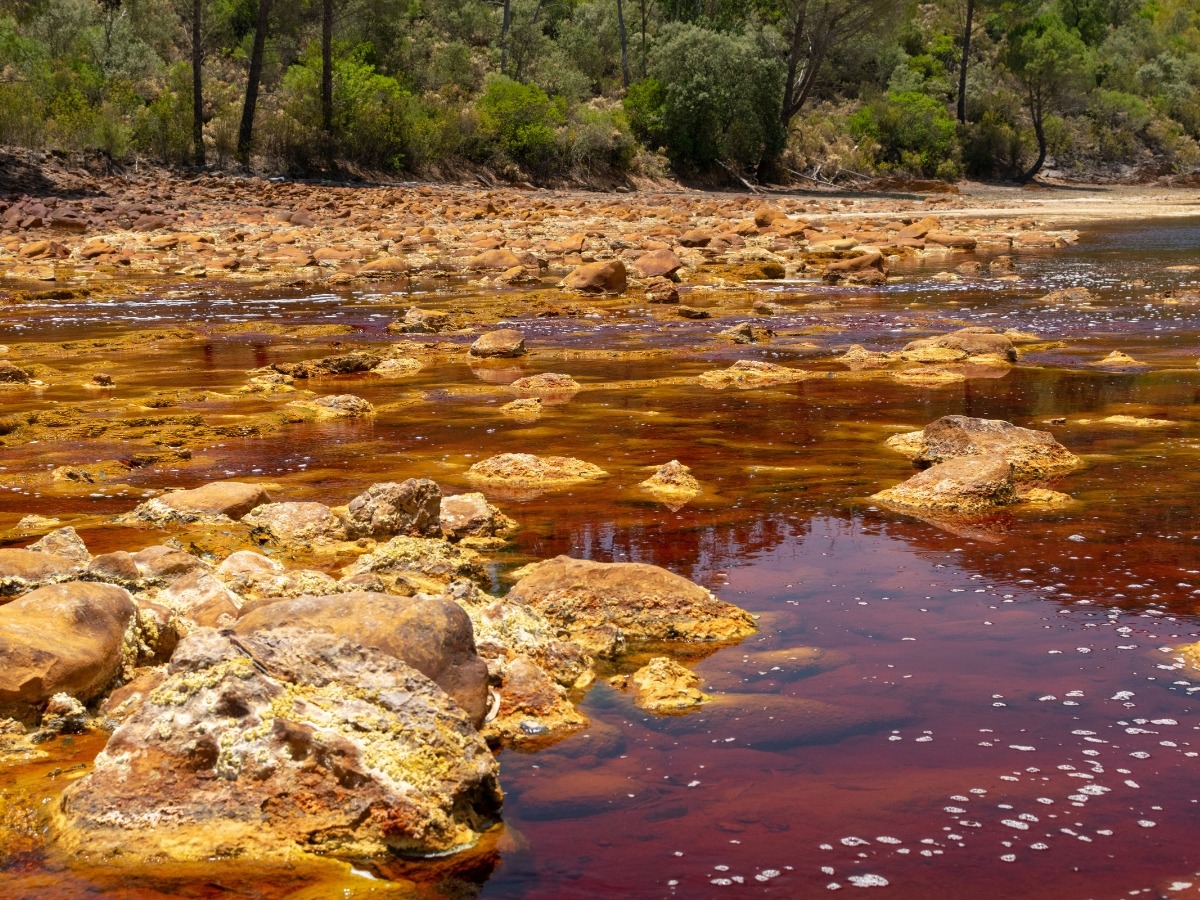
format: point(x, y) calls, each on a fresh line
point(197, 82)
point(624, 44)
point(812, 31)
point(962, 69)
point(246, 131)
point(1048, 59)
point(327, 79)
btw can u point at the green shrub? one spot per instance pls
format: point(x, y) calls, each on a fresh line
point(722, 94)
point(645, 107)
point(522, 122)
point(599, 140)
point(912, 132)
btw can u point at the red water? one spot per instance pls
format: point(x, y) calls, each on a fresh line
point(1009, 718)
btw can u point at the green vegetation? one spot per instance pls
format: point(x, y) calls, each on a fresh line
point(596, 90)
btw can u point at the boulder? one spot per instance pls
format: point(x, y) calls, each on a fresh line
point(201, 597)
point(64, 542)
point(496, 260)
point(608, 277)
point(673, 479)
point(970, 342)
point(423, 321)
point(13, 374)
point(548, 385)
point(385, 267)
point(695, 238)
point(470, 515)
point(505, 343)
point(223, 499)
point(602, 605)
point(295, 523)
point(527, 469)
point(533, 708)
point(1034, 454)
point(62, 638)
point(664, 686)
point(750, 373)
point(658, 264)
point(968, 485)
point(160, 564)
point(337, 406)
point(432, 635)
point(435, 561)
point(387, 509)
point(282, 742)
point(22, 570)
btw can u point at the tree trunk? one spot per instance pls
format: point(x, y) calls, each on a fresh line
point(246, 131)
point(624, 43)
point(1039, 132)
point(504, 26)
point(795, 53)
point(327, 79)
point(645, 71)
point(197, 84)
point(962, 69)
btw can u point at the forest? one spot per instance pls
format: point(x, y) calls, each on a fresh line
point(596, 91)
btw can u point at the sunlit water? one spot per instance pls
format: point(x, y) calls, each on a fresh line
point(1010, 720)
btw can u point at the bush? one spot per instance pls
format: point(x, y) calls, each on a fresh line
point(599, 140)
point(721, 98)
point(912, 133)
point(522, 121)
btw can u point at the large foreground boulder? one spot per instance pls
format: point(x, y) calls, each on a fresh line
point(1034, 455)
point(603, 605)
point(432, 635)
point(410, 507)
point(264, 744)
point(62, 638)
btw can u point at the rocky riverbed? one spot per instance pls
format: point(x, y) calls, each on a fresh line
point(320, 503)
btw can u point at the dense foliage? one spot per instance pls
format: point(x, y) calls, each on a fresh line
point(597, 89)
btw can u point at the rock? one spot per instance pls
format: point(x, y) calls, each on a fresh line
point(13, 374)
point(748, 373)
point(929, 376)
point(220, 499)
point(859, 357)
point(933, 354)
point(766, 216)
point(430, 634)
point(601, 605)
point(838, 269)
point(919, 229)
point(1034, 454)
point(661, 290)
point(969, 342)
point(695, 238)
point(384, 267)
point(548, 385)
point(423, 321)
point(1119, 360)
point(690, 312)
point(470, 515)
point(951, 241)
point(337, 406)
point(496, 260)
point(63, 715)
point(746, 333)
point(968, 485)
point(532, 707)
point(434, 560)
point(292, 523)
point(387, 509)
point(23, 570)
point(342, 364)
point(658, 264)
point(160, 564)
point(118, 567)
point(318, 745)
point(1122, 421)
point(525, 410)
point(506, 343)
point(1069, 295)
point(1001, 265)
point(62, 638)
point(608, 277)
point(201, 597)
point(527, 469)
point(664, 686)
point(257, 580)
point(397, 366)
point(674, 480)
point(64, 542)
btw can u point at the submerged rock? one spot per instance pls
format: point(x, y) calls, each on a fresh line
point(284, 741)
point(1119, 360)
point(1033, 454)
point(430, 634)
point(548, 386)
point(969, 485)
point(749, 373)
point(602, 605)
point(63, 638)
point(966, 342)
point(527, 469)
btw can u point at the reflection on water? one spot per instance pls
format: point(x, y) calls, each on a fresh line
point(922, 712)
